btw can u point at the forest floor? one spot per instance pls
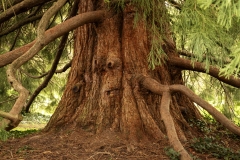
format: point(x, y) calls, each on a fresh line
point(81, 145)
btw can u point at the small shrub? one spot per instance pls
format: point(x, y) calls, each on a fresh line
point(172, 154)
point(35, 118)
point(210, 146)
point(18, 134)
point(24, 148)
point(5, 135)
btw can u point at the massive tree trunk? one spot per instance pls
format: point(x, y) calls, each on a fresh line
point(104, 89)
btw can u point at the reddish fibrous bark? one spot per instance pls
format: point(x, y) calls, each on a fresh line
point(111, 87)
point(104, 90)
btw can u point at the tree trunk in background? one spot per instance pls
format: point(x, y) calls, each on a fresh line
point(100, 93)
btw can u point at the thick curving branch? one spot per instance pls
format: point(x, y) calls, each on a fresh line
point(170, 127)
point(166, 90)
point(15, 119)
point(55, 62)
point(151, 85)
point(11, 71)
point(49, 74)
point(200, 67)
point(55, 32)
point(208, 107)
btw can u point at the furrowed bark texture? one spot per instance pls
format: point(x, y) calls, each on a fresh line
point(103, 91)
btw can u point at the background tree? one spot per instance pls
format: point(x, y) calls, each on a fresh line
point(126, 70)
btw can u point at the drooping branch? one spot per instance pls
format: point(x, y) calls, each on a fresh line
point(15, 40)
point(191, 55)
point(20, 24)
point(19, 8)
point(63, 69)
point(11, 71)
point(209, 108)
point(50, 73)
point(200, 67)
point(151, 85)
point(56, 61)
point(55, 32)
point(9, 4)
point(165, 91)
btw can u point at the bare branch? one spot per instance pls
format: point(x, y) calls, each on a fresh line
point(15, 40)
point(68, 65)
point(181, 88)
point(10, 4)
point(63, 69)
point(211, 110)
point(55, 32)
point(19, 8)
point(20, 24)
point(11, 117)
point(191, 55)
point(56, 61)
point(200, 67)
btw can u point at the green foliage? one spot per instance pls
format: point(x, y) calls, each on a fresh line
point(18, 134)
point(5, 135)
point(213, 144)
point(197, 31)
point(223, 97)
point(233, 68)
point(201, 124)
point(35, 118)
point(24, 148)
point(209, 145)
point(171, 153)
point(228, 15)
point(39, 65)
point(209, 29)
point(7, 94)
point(155, 15)
point(226, 10)
point(157, 18)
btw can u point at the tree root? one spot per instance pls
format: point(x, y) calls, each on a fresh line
point(165, 91)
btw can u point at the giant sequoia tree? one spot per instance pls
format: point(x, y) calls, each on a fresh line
point(126, 71)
